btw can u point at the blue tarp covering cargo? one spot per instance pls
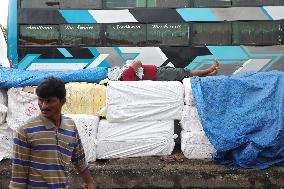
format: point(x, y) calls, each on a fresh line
point(20, 78)
point(243, 117)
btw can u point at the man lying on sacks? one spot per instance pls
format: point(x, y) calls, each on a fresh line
point(137, 71)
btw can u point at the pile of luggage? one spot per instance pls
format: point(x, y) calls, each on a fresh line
point(118, 120)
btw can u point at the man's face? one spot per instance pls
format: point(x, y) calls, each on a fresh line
point(50, 107)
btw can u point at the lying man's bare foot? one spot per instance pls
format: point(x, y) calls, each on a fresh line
point(213, 67)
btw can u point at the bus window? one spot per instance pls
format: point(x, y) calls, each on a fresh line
point(125, 3)
point(211, 3)
point(39, 35)
point(281, 30)
point(246, 2)
point(273, 2)
point(270, 33)
point(39, 3)
point(167, 34)
point(257, 2)
point(80, 34)
point(256, 33)
point(125, 35)
point(211, 33)
point(82, 4)
point(168, 3)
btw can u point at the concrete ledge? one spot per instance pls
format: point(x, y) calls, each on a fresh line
point(150, 172)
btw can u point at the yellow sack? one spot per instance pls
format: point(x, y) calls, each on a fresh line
point(84, 98)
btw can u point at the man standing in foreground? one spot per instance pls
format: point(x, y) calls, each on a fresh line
point(45, 146)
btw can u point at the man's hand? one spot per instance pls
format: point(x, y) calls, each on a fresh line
point(90, 186)
point(136, 64)
point(88, 180)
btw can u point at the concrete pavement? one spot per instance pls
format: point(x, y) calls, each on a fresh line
point(151, 172)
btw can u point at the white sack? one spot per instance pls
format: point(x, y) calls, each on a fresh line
point(3, 97)
point(4, 62)
point(135, 139)
point(188, 96)
point(144, 100)
point(87, 126)
point(190, 120)
point(3, 113)
point(195, 145)
point(22, 106)
point(6, 142)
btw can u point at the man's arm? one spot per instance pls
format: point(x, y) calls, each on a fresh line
point(79, 161)
point(21, 161)
point(136, 64)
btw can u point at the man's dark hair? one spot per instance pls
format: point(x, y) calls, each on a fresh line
point(51, 87)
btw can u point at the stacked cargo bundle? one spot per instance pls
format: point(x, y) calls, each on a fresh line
point(135, 139)
point(22, 106)
point(6, 142)
point(194, 143)
point(3, 105)
point(87, 126)
point(140, 119)
point(6, 134)
point(84, 98)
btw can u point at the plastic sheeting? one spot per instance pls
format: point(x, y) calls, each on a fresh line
point(144, 100)
point(3, 113)
point(6, 142)
point(84, 98)
point(190, 119)
point(195, 145)
point(135, 139)
point(3, 97)
point(19, 78)
point(188, 96)
point(243, 117)
point(4, 62)
point(87, 126)
point(3, 105)
point(22, 106)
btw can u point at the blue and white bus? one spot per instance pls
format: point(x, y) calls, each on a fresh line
point(244, 35)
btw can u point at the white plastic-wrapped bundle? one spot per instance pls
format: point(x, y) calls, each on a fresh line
point(3, 97)
point(188, 96)
point(190, 119)
point(144, 100)
point(3, 113)
point(135, 139)
point(21, 107)
point(195, 145)
point(87, 126)
point(6, 142)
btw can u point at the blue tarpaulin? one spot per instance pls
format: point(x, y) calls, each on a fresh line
point(19, 78)
point(243, 117)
